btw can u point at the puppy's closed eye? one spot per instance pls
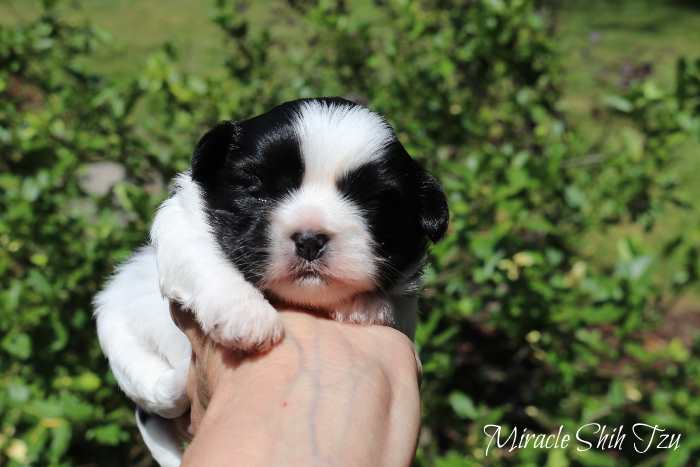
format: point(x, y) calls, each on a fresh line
point(248, 181)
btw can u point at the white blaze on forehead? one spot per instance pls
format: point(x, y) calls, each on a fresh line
point(335, 139)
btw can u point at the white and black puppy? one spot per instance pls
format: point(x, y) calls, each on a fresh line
point(314, 204)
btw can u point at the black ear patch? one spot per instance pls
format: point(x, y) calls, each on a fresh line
point(213, 149)
point(433, 213)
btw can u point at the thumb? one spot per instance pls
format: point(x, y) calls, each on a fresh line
point(184, 319)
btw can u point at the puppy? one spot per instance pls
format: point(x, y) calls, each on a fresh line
point(314, 204)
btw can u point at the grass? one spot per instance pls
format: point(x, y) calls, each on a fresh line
point(138, 29)
point(602, 43)
point(606, 43)
point(600, 39)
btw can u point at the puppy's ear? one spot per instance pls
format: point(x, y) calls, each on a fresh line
point(433, 213)
point(213, 149)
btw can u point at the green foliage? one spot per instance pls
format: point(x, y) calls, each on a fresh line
point(523, 322)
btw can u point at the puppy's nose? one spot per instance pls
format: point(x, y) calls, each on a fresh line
point(310, 245)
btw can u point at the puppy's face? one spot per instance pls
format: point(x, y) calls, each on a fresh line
point(316, 201)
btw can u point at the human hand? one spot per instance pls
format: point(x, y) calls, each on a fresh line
point(329, 393)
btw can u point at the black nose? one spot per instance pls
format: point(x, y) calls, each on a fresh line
point(309, 245)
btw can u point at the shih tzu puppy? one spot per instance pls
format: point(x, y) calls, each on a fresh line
point(314, 204)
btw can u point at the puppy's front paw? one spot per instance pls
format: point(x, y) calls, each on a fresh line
point(249, 325)
point(366, 308)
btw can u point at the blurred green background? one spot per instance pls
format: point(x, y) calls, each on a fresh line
point(566, 134)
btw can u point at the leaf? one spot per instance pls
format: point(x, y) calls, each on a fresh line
point(618, 103)
point(18, 345)
point(557, 458)
point(109, 435)
point(680, 457)
point(60, 440)
point(463, 405)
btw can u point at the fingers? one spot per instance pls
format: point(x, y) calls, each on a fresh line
point(185, 321)
point(197, 387)
point(196, 407)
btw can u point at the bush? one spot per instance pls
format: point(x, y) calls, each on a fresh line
point(523, 321)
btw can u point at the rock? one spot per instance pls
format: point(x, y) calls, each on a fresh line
point(98, 178)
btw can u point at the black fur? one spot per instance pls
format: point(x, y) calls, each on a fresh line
point(402, 207)
point(244, 168)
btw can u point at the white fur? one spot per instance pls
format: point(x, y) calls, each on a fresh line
point(347, 265)
point(148, 354)
point(337, 139)
point(194, 272)
point(334, 140)
point(159, 436)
